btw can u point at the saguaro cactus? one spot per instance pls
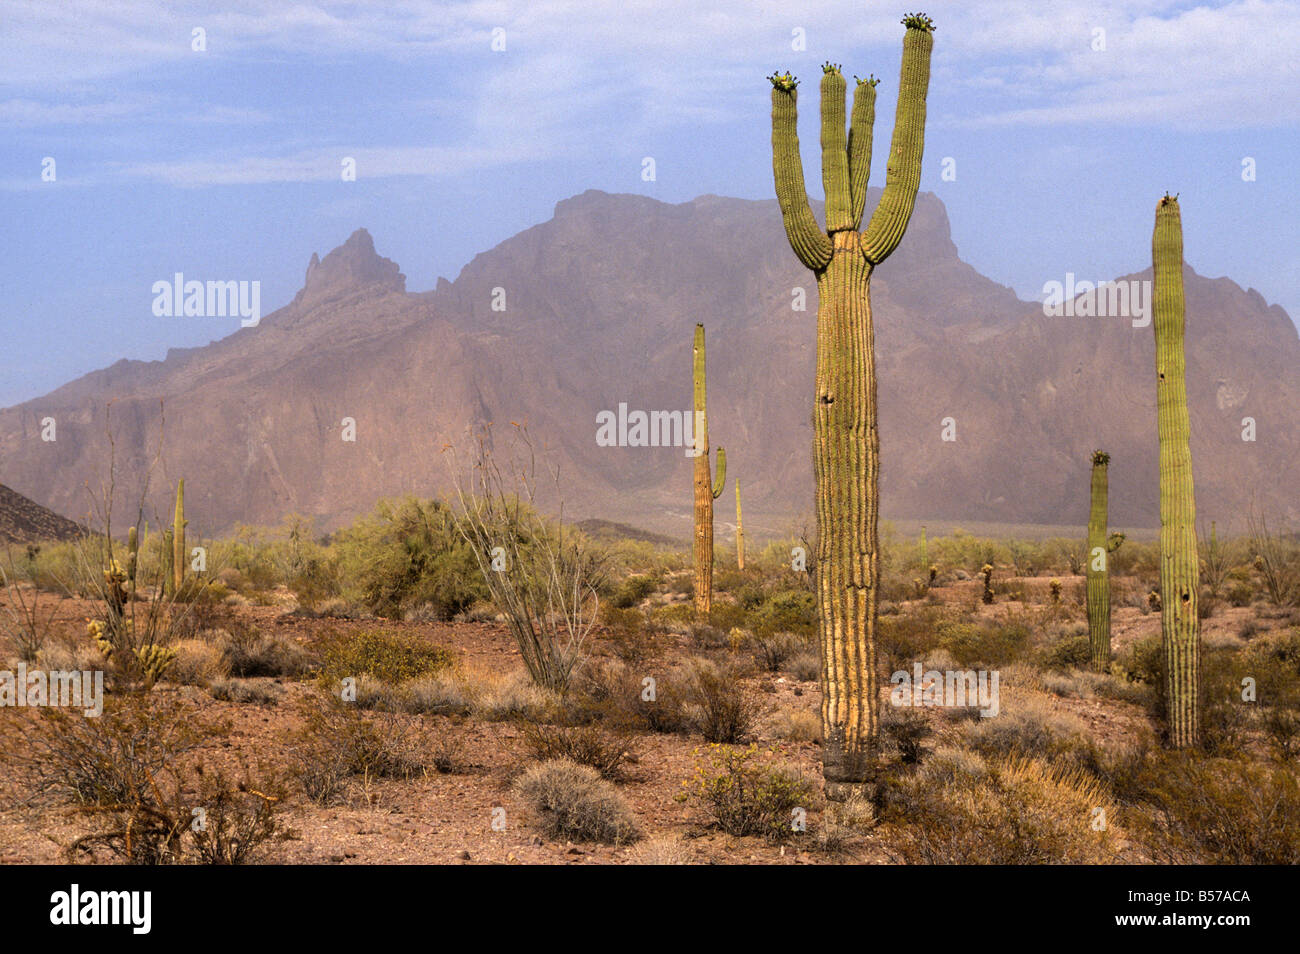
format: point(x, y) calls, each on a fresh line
point(740, 532)
point(178, 540)
point(706, 488)
point(1099, 549)
point(846, 443)
point(1179, 567)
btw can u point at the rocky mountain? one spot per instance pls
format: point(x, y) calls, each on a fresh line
point(24, 521)
point(596, 308)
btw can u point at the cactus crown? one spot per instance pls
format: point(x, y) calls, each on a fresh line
point(871, 80)
point(829, 67)
point(918, 21)
point(1169, 199)
point(784, 81)
point(1100, 458)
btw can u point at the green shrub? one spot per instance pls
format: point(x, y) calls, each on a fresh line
point(746, 794)
point(718, 704)
point(407, 554)
point(1066, 653)
point(792, 611)
point(389, 657)
point(984, 646)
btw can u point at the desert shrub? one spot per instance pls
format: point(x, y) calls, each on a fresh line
point(805, 666)
point(633, 590)
point(238, 818)
point(796, 725)
point(408, 554)
point(434, 694)
point(1066, 653)
point(511, 697)
point(1219, 811)
point(727, 616)
point(387, 656)
point(197, 663)
point(708, 636)
point(719, 707)
point(584, 744)
point(1028, 726)
point(258, 692)
point(904, 730)
point(1240, 593)
point(747, 793)
point(790, 611)
point(573, 801)
point(336, 742)
point(249, 653)
point(1143, 661)
point(843, 824)
point(771, 650)
point(64, 757)
point(906, 638)
point(1024, 811)
point(984, 646)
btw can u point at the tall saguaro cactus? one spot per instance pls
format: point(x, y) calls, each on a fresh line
point(1179, 567)
point(846, 443)
point(178, 540)
point(740, 532)
point(1099, 549)
point(706, 488)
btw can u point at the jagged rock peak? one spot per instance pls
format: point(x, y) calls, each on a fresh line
point(354, 264)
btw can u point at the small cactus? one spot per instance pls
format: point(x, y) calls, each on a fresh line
point(987, 570)
point(1055, 586)
point(154, 661)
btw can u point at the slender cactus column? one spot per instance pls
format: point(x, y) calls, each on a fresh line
point(1099, 550)
point(706, 489)
point(1179, 566)
point(740, 532)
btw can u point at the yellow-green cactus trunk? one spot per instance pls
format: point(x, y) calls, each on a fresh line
point(1179, 565)
point(178, 541)
point(846, 442)
point(740, 532)
point(1098, 567)
point(706, 489)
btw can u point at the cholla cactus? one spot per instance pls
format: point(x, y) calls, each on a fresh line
point(98, 633)
point(154, 661)
point(1055, 586)
point(987, 570)
point(934, 573)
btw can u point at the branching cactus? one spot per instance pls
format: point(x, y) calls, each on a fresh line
point(740, 532)
point(846, 443)
point(1179, 566)
point(178, 541)
point(1099, 549)
point(707, 488)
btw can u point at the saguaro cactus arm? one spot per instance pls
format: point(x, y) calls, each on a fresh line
point(835, 151)
point(720, 474)
point(903, 177)
point(861, 125)
point(806, 237)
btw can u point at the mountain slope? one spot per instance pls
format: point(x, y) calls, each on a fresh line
point(596, 307)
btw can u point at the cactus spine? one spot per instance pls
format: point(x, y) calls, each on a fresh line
point(740, 532)
point(706, 488)
point(178, 540)
point(1098, 571)
point(1179, 566)
point(846, 443)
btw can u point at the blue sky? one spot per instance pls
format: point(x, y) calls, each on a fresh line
point(225, 163)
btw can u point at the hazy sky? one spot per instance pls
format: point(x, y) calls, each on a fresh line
point(225, 163)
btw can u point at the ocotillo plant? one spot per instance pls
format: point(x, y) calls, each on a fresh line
point(1099, 549)
point(740, 532)
point(706, 488)
point(178, 541)
point(1179, 568)
point(846, 443)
